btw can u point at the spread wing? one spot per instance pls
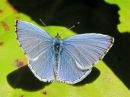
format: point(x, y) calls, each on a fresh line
point(80, 53)
point(68, 72)
point(87, 49)
point(43, 67)
point(32, 39)
point(37, 45)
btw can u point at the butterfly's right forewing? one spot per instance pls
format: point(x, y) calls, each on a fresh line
point(87, 49)
point(79, 54)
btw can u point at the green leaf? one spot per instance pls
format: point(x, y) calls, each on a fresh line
point(17, 81)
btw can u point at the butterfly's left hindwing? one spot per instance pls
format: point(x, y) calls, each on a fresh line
point(43, 67)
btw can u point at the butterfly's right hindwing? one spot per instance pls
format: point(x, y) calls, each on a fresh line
point(68, 72)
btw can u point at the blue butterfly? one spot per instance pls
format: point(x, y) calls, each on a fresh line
point(67, 60)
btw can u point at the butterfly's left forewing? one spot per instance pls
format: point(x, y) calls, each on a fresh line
point(37, 45)
point(32, 39)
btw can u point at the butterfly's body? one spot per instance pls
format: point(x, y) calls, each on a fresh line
point(57, 48)
point(67, 60)
point(57, 44)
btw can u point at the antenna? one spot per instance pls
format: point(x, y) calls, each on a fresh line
point(73, 26)
point(42, 22)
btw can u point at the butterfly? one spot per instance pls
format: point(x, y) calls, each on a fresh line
point(67, 60)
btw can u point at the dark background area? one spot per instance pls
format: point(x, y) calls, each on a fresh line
point(94, 16)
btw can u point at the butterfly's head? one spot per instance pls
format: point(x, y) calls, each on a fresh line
point(57, 36)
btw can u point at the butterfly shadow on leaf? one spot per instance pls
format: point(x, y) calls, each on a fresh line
point(24, 79)
point(90, 78)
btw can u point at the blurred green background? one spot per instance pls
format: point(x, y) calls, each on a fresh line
point(109, 78)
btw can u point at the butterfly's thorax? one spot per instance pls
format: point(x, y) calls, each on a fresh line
point(57, 46)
